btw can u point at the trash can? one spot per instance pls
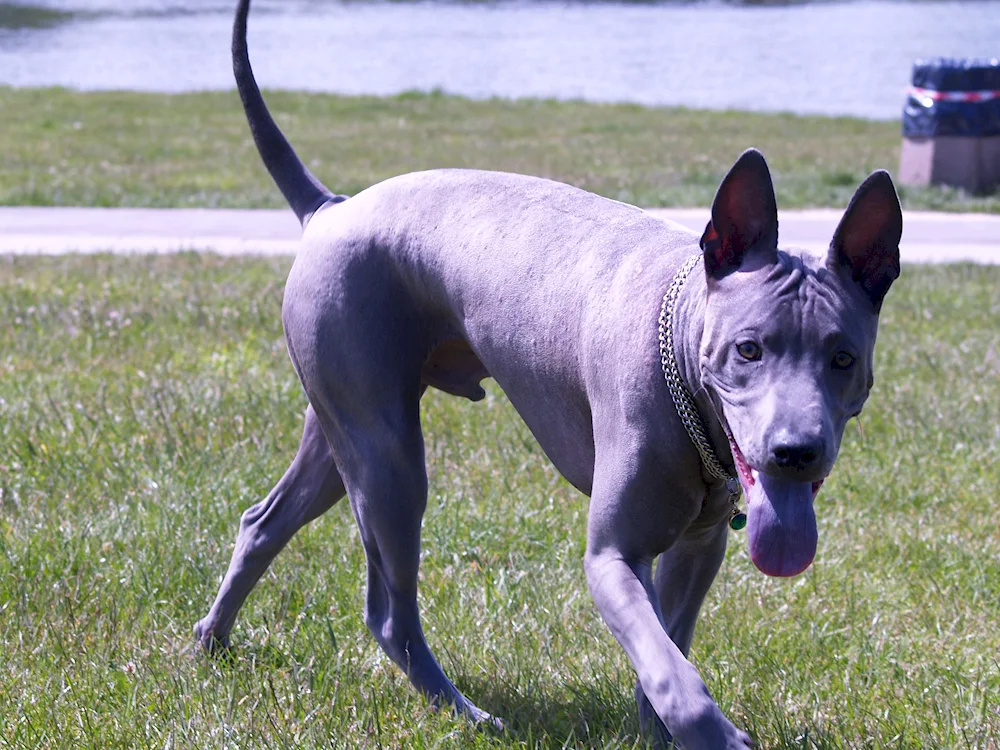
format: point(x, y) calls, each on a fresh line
point(951, 125)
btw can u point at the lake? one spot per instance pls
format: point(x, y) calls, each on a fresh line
point(849, 58)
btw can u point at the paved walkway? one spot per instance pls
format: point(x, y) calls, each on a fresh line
point(927, 237)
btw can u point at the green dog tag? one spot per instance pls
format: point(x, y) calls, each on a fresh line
point(738, 520)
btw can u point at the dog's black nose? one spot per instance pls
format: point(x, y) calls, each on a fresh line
point(799, 455)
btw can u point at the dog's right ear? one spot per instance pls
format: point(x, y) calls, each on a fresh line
point(744, 217)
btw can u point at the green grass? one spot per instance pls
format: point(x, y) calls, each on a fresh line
point(25, 16)
point(128, 149)
point(145, 402)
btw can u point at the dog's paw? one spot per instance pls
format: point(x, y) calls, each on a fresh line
point(207, 641)
point(712, 732)
point(477, 716)
point(489, 720)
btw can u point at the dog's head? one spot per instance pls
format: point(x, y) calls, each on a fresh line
point(788, 347)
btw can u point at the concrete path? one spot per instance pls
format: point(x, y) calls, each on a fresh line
point(927, 237)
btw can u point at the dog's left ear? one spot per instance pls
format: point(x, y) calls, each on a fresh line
point(744, 217)
point(866, 243)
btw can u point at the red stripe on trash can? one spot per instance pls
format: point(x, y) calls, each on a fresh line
point(954, 96)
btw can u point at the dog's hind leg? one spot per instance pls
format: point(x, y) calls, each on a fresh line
point(683, 576)
point(359, 343)
point(309, 488)
point(382, 462)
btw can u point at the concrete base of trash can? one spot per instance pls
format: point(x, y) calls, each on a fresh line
point(959, 161)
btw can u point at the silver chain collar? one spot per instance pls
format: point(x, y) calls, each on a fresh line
point(683, 402)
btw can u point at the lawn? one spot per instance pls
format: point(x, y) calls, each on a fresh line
point(70, 148)
point(146, 401)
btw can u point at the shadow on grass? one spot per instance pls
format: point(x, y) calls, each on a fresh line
point(593, 715)
point(599, 714)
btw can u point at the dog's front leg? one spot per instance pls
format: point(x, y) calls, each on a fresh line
point(684, 574)
point(619, 576)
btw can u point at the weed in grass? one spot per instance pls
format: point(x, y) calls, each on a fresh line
point(145, 402)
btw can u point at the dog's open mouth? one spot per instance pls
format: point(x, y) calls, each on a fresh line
point(781, 523)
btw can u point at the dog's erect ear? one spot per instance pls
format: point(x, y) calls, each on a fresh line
point(866, 243)
point(744, 217)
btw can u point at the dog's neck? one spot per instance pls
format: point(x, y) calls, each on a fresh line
point(689, 327)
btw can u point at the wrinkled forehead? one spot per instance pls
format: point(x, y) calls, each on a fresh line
point(797, 291)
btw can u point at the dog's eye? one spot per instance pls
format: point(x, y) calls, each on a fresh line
point(842, 361)
point(748, 350)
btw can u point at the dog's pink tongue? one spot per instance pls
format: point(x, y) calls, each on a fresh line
point(781, 525)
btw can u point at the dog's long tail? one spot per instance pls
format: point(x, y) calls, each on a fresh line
point(304, 193)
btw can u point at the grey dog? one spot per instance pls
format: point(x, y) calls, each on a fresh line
point(446, 277)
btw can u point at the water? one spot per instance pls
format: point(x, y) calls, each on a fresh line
point(826, 58)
